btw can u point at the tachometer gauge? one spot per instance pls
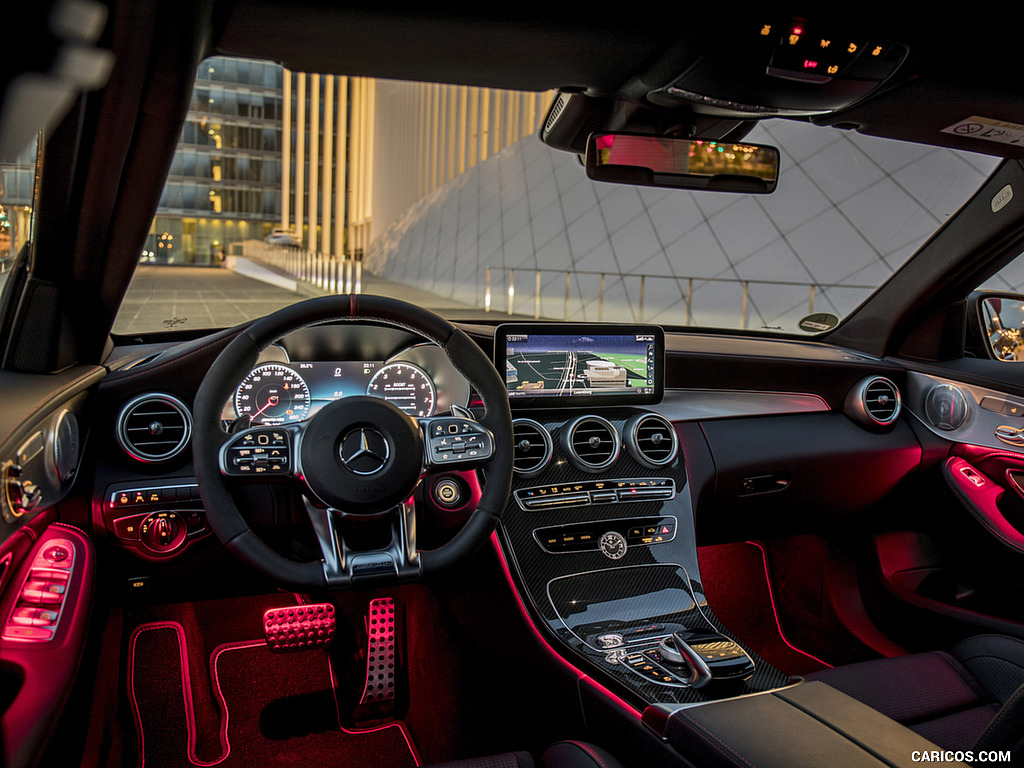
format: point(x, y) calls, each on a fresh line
point(272, 394)
point(405, 385)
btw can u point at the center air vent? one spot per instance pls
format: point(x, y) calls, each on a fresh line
point(532, 445)
point(651, 440)
point(154, 428)
point(874, 401)
point(591, 443)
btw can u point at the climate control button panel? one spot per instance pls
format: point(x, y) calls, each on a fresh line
point(616, 491)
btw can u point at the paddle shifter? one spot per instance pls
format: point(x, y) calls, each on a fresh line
point(704, 657)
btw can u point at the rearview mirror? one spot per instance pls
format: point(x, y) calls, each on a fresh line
point(661, 161)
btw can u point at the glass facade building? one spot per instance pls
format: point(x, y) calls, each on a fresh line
point(224, 184)
point(17, 183)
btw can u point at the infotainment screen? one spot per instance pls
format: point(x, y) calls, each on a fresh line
point(570, 364)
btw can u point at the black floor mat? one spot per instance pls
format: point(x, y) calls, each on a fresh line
point(273, 709)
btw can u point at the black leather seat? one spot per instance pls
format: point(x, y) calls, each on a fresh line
point(563, 754)
point(969, 699)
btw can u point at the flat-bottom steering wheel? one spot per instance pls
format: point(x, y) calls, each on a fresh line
point(357, 455)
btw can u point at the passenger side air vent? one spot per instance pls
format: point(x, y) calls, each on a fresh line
point(651, 440)
point(874, 401)
point(591, 443)
point(154, 428)
point(532, 445)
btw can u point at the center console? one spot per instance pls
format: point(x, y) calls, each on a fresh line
point(599, 531)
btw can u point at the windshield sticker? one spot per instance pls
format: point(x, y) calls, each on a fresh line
point(822, 321)
point(988, 130)
point(174, 322)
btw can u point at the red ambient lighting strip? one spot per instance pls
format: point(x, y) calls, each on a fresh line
point(775, 612)
point(618, 701)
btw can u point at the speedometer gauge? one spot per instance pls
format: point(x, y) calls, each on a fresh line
point(405, 385)
point(272, 394)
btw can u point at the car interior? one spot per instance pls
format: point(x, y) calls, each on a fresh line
point(691, 547)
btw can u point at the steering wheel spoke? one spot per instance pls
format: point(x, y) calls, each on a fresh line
point(344, 567)
point(455, 442)
point(261, 452)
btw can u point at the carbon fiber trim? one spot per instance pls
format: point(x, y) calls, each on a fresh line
point(626, 597)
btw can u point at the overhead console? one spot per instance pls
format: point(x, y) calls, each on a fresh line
point(719, 77)
point(785, 65)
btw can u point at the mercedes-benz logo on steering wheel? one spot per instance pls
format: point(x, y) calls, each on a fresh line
point(364, 451)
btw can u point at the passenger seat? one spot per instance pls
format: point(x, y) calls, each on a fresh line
point(969, 699)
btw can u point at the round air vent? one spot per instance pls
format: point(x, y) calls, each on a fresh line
point(532, 445)
point(874, 401)
point(154, 427)
point(591, 443)
point(651, 440)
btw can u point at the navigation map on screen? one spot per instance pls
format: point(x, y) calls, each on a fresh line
point(570, 365)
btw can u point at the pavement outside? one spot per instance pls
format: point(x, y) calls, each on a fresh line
point(162, 298)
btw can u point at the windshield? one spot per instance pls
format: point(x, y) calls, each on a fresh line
point(287, 185)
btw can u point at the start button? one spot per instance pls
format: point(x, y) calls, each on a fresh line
point(448, 492)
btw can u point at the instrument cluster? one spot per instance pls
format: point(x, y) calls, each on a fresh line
point(290, 382)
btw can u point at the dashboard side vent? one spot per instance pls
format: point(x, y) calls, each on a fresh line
point(591, 443)
point(532, 446)
point(651, 439)
point(154, 427)
point(874, 401)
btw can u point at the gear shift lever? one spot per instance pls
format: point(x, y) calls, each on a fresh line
point(707, 657)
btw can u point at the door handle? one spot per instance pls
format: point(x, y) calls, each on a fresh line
point(981, 495)
point(1010, 435)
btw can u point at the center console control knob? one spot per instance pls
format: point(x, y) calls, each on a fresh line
point(706, 657)
point(163, 532)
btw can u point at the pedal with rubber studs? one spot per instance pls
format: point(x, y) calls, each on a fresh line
point(299, 627)
point(379, 689)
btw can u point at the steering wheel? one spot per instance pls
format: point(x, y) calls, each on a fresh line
point(356, 456)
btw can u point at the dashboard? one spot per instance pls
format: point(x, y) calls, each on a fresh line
point(608, 485)
point(304, 371)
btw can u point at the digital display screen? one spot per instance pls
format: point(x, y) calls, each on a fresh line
point(570, 364)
